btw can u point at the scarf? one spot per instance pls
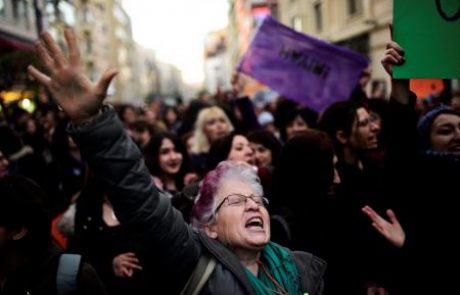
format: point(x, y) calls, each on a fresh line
point(445, 157)
point(276, 269)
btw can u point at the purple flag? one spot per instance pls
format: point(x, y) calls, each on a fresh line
point(307, 70)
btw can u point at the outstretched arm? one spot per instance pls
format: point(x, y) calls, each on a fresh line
point(394, 56)
point(115, 160)
point(391, 230)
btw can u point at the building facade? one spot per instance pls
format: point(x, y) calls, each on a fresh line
point(244, 17)
point(216, 67)
point(18, 31)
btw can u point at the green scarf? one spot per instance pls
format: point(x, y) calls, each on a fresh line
point(279, 264)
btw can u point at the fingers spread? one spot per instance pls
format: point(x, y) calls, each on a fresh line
point(54, 49)
point(44, 56)
point(104, 82)
point(74, 51)
point(392, 216)
point(42, 78)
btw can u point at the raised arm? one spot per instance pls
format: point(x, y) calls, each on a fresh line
point(115, 159)
point(394, 56)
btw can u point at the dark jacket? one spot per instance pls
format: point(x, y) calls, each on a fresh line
point(175, 248)
point(425, 186)
point(39, 278)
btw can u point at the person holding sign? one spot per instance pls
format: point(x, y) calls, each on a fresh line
point(425, 172)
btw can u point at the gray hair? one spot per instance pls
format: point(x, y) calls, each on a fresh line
point(205, 203)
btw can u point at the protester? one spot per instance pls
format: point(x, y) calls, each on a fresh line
point(28, 258)
point(425, 167)
point(233, 147)
point(212, 123)
point(266, 148)
point(168, 162)
point(355, 136)
point(230, 212)
point(105, 243)
point(292, 118)
point(304, 210)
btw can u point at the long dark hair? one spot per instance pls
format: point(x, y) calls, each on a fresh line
point(305, 171)
point(24, 203)
point(152, 154)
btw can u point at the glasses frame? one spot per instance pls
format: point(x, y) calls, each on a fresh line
point(265, 201)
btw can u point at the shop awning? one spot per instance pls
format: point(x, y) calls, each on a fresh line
point(13, 42)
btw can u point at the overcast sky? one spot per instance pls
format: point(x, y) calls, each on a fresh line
point(176, 29)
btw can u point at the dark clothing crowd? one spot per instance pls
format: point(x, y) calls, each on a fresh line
point(364, 188)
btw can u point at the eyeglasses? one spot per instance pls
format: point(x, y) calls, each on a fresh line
point(238, 200)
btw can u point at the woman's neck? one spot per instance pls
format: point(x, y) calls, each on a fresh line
point(249, 259)
point(352, 158)
point(169, 183)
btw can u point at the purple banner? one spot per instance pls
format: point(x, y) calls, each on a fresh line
point(307, 70)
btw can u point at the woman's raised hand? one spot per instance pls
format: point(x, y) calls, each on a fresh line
point(65, 78)
point(391, 230)
point(394, 55)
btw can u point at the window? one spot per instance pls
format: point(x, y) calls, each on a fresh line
point(50, 12)
point(88, 42)
point(20, 12)
point(353, 7)
point(318, 16)
point(2, 7)
point(67, 12)
point(296, 23)
point(87, 15)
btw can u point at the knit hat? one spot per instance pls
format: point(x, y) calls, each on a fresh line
point(426, 121)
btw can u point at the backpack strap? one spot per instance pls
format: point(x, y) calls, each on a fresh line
point(200, 275)
point(67, 272)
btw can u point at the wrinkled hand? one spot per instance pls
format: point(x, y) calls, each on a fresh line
point(392, 230)
point(66, 79)
point(394, 55)
point(124, 265)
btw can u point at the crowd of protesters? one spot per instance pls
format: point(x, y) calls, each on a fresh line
point(157, 197)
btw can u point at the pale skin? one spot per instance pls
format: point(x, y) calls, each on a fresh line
point(391, 230)
point(125, 264)
point(229, 226)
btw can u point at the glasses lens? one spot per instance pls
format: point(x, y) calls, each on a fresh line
point(235, 200)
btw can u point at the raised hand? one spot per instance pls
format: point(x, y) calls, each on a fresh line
point(65, 78)
point(394, 55)
point(392, 230)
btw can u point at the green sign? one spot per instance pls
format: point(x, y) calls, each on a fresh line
point(429, 32)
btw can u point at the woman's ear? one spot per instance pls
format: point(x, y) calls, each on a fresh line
point(20, 233)
point(211, 230)
point(341, 137)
